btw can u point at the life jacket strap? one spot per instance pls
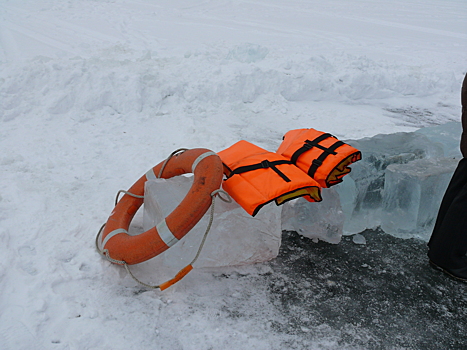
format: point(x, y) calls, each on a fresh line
point(309, 144)
point(263, 165)
point(316, 163)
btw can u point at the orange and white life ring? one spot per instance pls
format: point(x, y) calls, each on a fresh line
point(118, 245)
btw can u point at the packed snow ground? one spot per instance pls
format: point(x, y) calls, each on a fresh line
point(94, 93)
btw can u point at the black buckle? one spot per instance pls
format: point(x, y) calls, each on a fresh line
point(265, 164)
point(308, 144)
point(317, 163)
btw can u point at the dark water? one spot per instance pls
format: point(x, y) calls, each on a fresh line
point(382, 295)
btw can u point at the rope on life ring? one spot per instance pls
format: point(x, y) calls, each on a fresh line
point(117, 246)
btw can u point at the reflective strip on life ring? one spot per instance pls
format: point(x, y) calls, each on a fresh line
point(120, 246)
point(166, 235)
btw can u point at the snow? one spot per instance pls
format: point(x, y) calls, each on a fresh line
point(94, 93)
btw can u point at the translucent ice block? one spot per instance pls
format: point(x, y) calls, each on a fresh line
point(235, 237)
point(319, 221)
point(413, 194)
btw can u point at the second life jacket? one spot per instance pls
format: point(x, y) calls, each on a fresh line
point(322, 156)
point(255, 177)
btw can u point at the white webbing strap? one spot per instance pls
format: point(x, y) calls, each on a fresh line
point(166, 235)
point(200, 158)
point(112, 234)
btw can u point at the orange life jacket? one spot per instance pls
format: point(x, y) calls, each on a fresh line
point(322, 156)
point(256, 177)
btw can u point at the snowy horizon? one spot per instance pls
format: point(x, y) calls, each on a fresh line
point(96, 92)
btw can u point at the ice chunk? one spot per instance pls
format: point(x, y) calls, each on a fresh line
point(362, 191)
point(361, 202)
point(321, 220)
point(359, 239)
point(447, 136)
point(413, 194)
point(235, 237)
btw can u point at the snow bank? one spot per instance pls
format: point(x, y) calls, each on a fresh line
point(94, 93)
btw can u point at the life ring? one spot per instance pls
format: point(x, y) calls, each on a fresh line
point(119, 246)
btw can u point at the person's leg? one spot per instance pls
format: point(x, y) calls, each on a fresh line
point(448, 243)
point(464, 117)
point(458, 181)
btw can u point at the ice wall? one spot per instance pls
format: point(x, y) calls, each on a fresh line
point(400, 181)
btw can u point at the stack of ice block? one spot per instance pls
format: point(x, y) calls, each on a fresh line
point(400, 172)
